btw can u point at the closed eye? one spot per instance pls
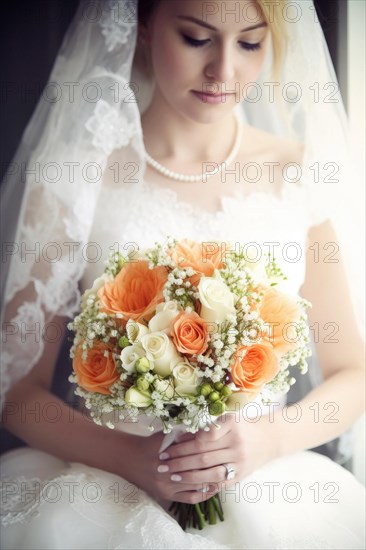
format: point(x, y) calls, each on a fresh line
point(194, 42)
point(249, 46)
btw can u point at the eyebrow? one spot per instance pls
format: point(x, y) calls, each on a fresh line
point(207, 26)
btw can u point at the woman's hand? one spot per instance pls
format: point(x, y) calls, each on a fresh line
point(195, 462)
point(149, 473)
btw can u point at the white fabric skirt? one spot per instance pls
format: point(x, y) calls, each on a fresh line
point(297, 502)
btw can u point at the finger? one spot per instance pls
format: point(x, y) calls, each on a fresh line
point(172, 491)
point(195, 446)
point(208, 435)
point(198, 461)
point(184, 437)
point(215, 475)
point(214, 432)
point(196, 496)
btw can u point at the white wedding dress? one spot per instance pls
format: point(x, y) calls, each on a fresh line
point(296, 502)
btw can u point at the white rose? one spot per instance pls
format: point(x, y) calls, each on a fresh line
point(166, 312)
point(135, 331)
point(137, 398)
point(98, 283)
point(161, 350)
point(129, 356)
point(169, 305)
point(131, 252)
point(185, 378)
point(257, 266)
point(165, 387)
point(216, 299)
point(136, 252)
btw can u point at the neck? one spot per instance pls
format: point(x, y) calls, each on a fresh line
point(183, 139)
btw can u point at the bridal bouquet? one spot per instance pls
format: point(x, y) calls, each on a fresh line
point(182, 333)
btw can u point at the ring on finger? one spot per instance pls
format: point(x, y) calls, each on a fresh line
point(230, 472)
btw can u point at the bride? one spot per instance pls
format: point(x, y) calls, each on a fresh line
point(231, 144)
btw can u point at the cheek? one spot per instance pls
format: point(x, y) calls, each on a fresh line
point(252, 67)
point(168, 62)
point(174, 65)
point(254, 62)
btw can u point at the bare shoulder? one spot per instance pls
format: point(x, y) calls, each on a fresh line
point(264, 146)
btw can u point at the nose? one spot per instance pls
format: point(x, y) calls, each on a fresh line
point(220, 67)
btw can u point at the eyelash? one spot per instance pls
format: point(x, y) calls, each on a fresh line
point(200, 43)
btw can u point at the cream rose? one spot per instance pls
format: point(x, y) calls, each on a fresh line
point(164, 317)
point(257, 266)
point(161, 350)
point(135, 331)
point(216, 299)
point(98, 283)
point(129, 356)
point(137, 398)
point(185, 378)
point(165, 387)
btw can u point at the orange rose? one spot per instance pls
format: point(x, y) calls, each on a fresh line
point(202, 257)
point(253, 367)
point(190, 333)
point(97, 372)
point(282, 313)
point(135, 292)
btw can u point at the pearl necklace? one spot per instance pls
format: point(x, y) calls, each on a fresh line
point(199, 177)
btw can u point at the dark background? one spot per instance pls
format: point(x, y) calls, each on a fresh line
point(31, 34)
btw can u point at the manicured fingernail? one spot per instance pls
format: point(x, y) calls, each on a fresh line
point(163, 468)
point(176, 477)
point(163, 456)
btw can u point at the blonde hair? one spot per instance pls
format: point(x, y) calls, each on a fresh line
point(273, 14)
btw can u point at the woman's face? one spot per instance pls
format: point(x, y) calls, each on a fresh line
point(205, 53)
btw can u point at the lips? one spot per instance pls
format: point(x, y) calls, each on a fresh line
point(211, 98)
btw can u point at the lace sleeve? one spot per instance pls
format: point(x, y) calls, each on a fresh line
point(46, 264)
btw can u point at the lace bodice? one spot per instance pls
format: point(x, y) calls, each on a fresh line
point(260, 221)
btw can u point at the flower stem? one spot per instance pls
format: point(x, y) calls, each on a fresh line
point(197, 515)
point(200, 516)
point(211, 511)
point(218, 507)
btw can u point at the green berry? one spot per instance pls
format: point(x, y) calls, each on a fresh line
point(142, 384)
point(218, 386)
point(121, 262)
point(142, 365)
point(226, 391)
point(206, 389)
point(123, 342)
point(216, 408)
point(214, 396)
